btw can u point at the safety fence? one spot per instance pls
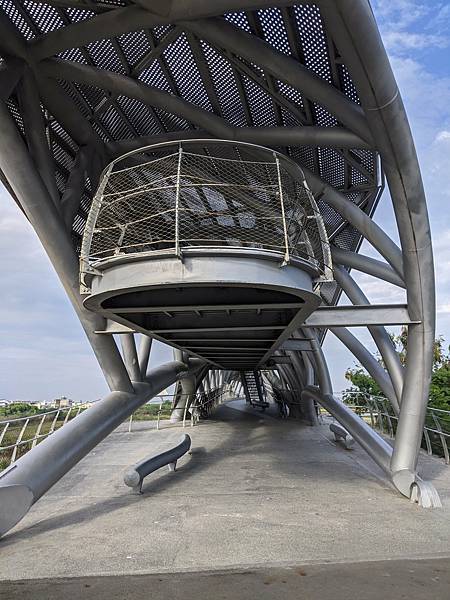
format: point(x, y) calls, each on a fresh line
point(19, 435)
point(206, 402)
point(184, 411)
point(378, 412)
point(185, 197)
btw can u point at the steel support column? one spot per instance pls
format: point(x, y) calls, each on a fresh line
point(355, 33)
point(19, 170)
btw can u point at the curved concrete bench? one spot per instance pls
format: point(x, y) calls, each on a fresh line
point(134, 476)
point(342, 435)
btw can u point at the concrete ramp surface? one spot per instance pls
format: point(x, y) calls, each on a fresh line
point(257, 497)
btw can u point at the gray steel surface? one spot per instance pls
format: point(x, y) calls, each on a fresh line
point(83, 83)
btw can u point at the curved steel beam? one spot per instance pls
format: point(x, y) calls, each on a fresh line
point(368, 361)
point(65, 111)
point(35, 134)
point(132, 18)
point(355, 32)
point(358, 218)
point(122, 85)
point(307, 135)
point(230, 37)
point(366, 264)
point(211, 123)
point(378, 333)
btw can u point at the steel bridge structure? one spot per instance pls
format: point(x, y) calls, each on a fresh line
point(204, 173)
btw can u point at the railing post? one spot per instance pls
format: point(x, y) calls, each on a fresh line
point(19, 439)
point(2, 434)
point(177, 203)
point(38, 431)
point(441, 436)
point(67, 416)
point(52, 428)
point(427, 441)
point(283, 216)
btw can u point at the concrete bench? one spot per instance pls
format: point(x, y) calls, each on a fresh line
point(134, 476)
point(342, 436)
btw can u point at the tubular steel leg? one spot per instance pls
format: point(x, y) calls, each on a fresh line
point(145, 347)
point(379, 334)
point(130, 356)
point(18, 168)
point(372, 443)
point(369, 362)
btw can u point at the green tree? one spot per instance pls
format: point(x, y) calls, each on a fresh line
point(363, 383)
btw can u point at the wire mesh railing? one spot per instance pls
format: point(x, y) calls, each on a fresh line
point(179, 404)
point(21, 434)
point(378, 412)
point(205, 403)
point(199, 195)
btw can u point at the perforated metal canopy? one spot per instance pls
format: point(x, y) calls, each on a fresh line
point(113, 76)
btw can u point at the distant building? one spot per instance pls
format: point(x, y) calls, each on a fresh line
point(62, 402)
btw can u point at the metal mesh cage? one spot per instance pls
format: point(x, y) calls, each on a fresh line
point(207, 194)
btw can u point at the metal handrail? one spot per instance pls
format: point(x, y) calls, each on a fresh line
point(213, 398)
point(276, 210)
point(381, 415)
point(7, 424)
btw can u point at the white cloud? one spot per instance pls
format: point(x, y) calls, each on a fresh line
point(402, 13)
point(405, 41)
point(443, 136)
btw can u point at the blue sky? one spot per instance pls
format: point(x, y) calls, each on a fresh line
point(43, 351)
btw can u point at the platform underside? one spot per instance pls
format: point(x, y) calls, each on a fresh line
point(232, 311)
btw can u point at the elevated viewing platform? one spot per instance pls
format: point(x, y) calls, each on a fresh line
point(214, 247)
point(273, 506)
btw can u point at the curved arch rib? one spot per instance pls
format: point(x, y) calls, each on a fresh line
point(367, 265)
point(226, 35)
point(353, 27)
point(358, 218)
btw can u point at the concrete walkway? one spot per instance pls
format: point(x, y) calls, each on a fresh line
point(256, 493)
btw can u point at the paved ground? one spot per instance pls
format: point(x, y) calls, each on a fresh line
point(255, 493)
point(391, 580)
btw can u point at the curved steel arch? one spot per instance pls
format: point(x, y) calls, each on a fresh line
point(83, 82)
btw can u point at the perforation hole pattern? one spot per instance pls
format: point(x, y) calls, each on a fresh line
point(176, 71)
